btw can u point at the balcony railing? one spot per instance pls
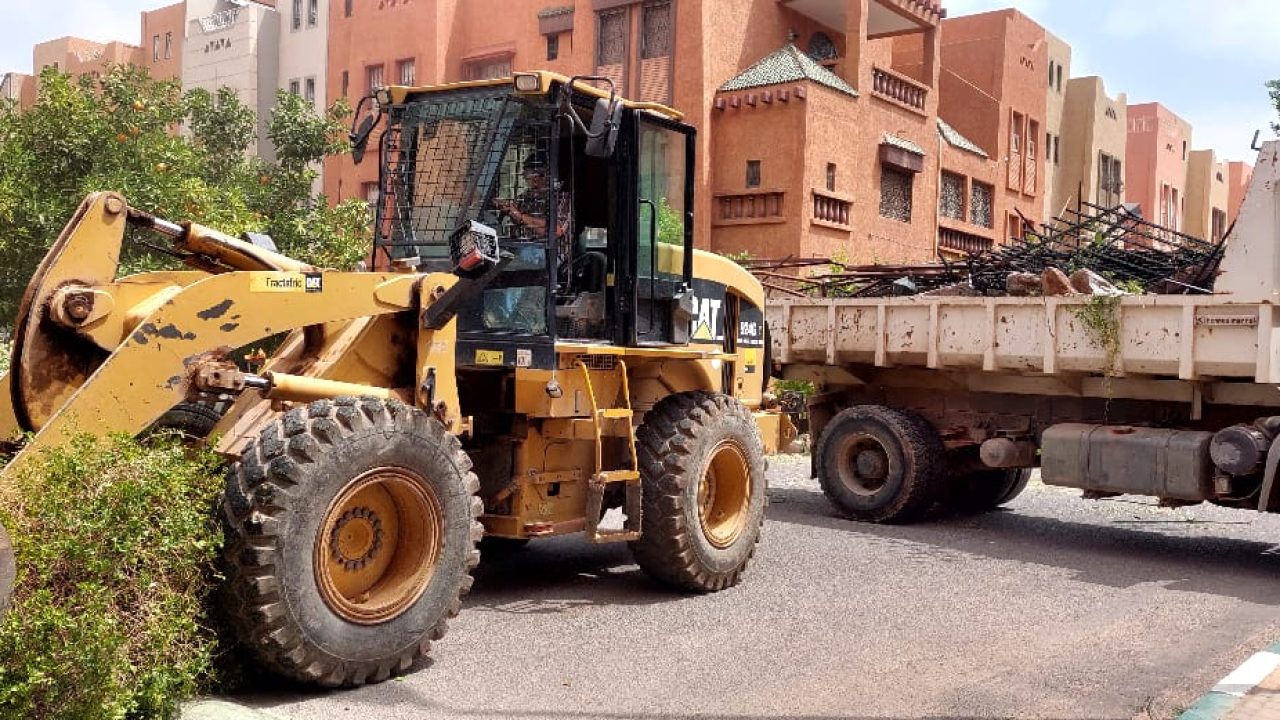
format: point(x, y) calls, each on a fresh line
point(831, 210)
point(897, 88)
point(743, 208)
point(963, 242)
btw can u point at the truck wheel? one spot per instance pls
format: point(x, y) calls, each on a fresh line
point(191, 420)
point(984, 490)
point(351, 536)
point(702, 466)
point(879, 464)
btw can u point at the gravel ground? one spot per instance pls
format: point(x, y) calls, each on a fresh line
point(1056, 607)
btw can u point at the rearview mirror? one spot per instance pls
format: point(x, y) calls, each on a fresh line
point(604, 128)
point(360, 138)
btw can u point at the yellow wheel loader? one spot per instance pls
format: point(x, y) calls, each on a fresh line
point(537, 351)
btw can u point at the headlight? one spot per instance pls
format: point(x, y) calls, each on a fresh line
point(528, 82)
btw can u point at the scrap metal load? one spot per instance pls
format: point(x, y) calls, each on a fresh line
point(1091, 250)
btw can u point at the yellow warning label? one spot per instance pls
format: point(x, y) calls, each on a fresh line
point(286, 282)
point(488, 357)
point(749, 356)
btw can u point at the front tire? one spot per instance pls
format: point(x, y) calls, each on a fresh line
point(702, 467)
point(879, 464)
point(351, 536)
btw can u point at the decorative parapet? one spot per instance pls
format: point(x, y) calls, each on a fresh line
point(748, 208)
point(898, 89)
point(958, 241)
point(832, 210)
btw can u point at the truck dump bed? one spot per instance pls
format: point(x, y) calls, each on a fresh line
point(1175, 336)
point(1230, 335)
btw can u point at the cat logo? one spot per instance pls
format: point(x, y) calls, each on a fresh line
point(706, 324)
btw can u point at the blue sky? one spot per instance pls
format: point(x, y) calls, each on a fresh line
point(1204, 59)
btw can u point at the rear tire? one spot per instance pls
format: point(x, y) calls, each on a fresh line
point(702, 466)
point(984, 490)
point(879, 464)
point(351, 536)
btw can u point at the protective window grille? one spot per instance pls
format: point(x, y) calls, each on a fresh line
point(895, 194)
point(951, 196)
point(1109, 180)
point(296, 23)
point(553, 46)
point(753, 173)
point(655, 38)
point(980, 196)
point(373, 74)
point(1219, 225)
point(831, 177)
point(407, 72)
point(611, 49)
point(313, 13)
point(310, 93)
point(168, 45)
point(488, 69)
point(295, 87)
point(467, 156)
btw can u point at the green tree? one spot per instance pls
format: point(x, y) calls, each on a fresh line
point(1273, 89)
point(178, 155)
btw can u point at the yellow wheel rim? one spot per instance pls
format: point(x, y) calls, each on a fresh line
point(377, 548)
point(724, 494)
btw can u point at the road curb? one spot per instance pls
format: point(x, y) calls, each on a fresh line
point(1219, 701)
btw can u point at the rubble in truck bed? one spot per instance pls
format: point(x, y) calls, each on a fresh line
point(1090, 250)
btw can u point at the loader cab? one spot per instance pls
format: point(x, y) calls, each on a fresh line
point(596, 245)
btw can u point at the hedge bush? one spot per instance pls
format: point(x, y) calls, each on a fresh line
point(116, 543)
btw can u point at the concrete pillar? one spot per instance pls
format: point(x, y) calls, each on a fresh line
point(855, 38)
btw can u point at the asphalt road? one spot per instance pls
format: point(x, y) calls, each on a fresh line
point(1055, 608)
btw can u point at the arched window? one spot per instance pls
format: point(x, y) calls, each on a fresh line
point(821, 48)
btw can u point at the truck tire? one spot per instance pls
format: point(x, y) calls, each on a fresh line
point(879, 464)
point(352, 530)
point(704, 491)
point(193, 421)
point(984, 490)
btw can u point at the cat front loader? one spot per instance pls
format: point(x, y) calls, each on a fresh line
point(538, 352)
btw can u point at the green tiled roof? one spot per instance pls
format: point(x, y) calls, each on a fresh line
point(786, 65)
point(956, 140)
point(903, 144)
point(555, 11)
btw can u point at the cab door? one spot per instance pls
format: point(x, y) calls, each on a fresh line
point(662, 265)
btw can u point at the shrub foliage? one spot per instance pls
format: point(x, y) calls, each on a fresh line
point(116, 540)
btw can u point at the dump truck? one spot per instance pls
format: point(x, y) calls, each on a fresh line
point(929, 399)
point(534, 344)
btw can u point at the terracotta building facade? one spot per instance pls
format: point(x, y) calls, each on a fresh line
point(801, 105)
point(993, 91)
point(1157, 151)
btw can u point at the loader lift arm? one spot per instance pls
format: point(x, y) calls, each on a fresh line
point(96, 354)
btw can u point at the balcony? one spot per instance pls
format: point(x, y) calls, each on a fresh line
point(958, 241)
point(749, 208)
point(831, 210)
point(898, 89)
point(885, 18)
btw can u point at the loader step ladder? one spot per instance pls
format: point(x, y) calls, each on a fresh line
point(601, 478)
